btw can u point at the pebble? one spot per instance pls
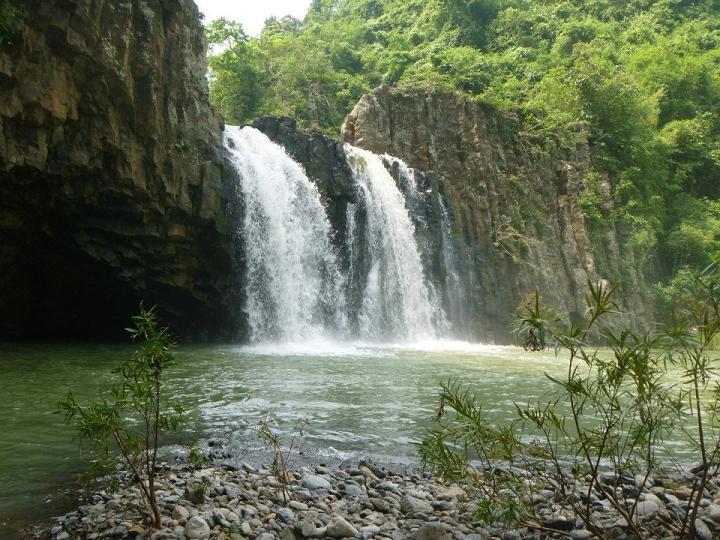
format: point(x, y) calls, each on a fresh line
point(197, 529)
point(702, 531)
point(180, 513)
point(340, 528)
point(286, 515)
point(413, 505)
point(713, 512)
point(315, 482)
point(363, 503)
point(647, 508)
point(434, 531)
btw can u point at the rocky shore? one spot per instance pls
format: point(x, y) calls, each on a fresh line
point(363, 502)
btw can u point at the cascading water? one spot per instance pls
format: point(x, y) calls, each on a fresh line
point(392, 297)
point(294, 290)
point(292, 280)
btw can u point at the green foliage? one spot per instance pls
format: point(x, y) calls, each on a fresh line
point(135, 412)
point(8, 17)
point(182, 147)
point(196, 457)
point(609, 414)
point(532, 324)
point(687, 344)
point(465, 447)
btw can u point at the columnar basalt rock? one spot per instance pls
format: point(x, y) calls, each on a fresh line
point(514, 202)
point(112, 183)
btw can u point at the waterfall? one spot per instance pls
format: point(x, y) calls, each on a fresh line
point(391, 294)
point(293, 286)
point(292, 281)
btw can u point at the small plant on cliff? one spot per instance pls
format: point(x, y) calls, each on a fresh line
point(132, 419)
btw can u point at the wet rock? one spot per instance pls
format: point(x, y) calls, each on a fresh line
point(559, 524)
point(427, 128)
point(93, 120)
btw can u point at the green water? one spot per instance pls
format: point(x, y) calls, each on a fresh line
point(360, 401)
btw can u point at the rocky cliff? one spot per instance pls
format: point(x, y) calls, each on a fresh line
point(112, 186)
point(514, 204)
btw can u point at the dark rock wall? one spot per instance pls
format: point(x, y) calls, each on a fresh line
point(112, 184)
point(513, 203)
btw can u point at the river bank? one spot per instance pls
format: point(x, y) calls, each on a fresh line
point(361, 501)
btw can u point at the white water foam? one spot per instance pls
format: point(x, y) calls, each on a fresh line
point(292, 282)
point(395, 296)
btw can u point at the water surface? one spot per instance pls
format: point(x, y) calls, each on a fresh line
point(361, 401)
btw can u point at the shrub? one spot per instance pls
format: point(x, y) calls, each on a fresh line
point(602, 428)
point(131, 421)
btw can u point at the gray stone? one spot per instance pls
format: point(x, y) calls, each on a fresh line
point(311, 481)
point(389, 486)
point(113, 504)
point(304, 495)
point(287, 534)
point(433, 531)
point(647, 508)
point(713, 512)
point(353, 490)
point(340, 528)
point(285, 514)
point(702, 531)
point(412, 505)
point(197, 529)
point(309, 530)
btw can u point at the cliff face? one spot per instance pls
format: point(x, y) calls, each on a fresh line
point(112, 185)
point(514, 205)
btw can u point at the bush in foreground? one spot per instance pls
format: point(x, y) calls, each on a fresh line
point(130, 422)
point(603, 425)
